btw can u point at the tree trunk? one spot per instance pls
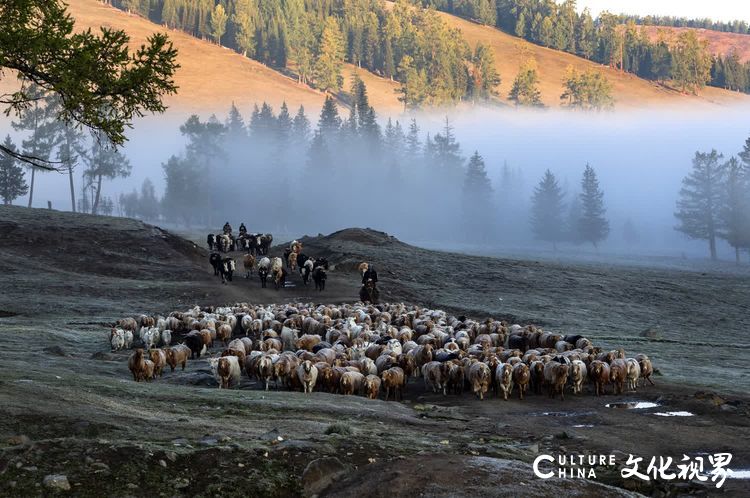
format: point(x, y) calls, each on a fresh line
point(98, 195)
point(72, 190)
point(712, 246)
point(31, 187)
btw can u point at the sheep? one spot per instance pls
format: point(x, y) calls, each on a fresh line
point(224, 333)
point(137, 366)
point(128, 324)
point(599, 375)
point(633, 372)
point(618, 372)
point(455, 378)
point(556, 376)
point(166, 337)
point(265, 369)
point(307, 373)
point(117, 339)
point(351, 382)
point(292, 261)
point(307, 268)
point(226, 370)
point(362, 268)
point(151, 338)
point(194, 341)
point(480, 378)
point(148, 370)
point(371, 386)
point(248, 262)
point(521, 378)
point(647, 368)
point(307, 342)
point(239, 352)
point(578, 375)
point(504, 379)
point(393, 380)
point(177, 355)
point(435, 376)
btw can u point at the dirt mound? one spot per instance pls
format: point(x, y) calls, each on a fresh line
point(364, 236)
point(100, 245)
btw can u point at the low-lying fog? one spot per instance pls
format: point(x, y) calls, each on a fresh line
point(640, 159)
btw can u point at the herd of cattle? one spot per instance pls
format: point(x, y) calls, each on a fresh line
point(256, 259)
point(374, 349)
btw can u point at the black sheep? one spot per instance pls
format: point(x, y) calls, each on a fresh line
point(319, 277)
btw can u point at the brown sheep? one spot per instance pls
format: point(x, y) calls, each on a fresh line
point(137, 366)
point(504, 379)
point(148, 370)
point(307, 342)
point(351, 383)
point(480, 379)
point(455, 377)
point(647, 369)
point(159, 357)
point(556, 376)
point(536, 371)
point(599, 375)
point(178, 355)
point(521, 378)
point(371, 386)
point(239, 353)
point(393, 380)
point(618, 373)
point(224, 333)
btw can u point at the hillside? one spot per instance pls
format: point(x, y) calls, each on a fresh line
point(628, 90)
point(719, 43)
point(211, 77)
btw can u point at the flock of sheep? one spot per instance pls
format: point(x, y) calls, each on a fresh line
point(374, 349)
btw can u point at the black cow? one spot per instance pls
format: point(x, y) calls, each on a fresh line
point(215, 260)
point(319, 277)
point(227, 269)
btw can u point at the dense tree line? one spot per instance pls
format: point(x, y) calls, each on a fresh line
point(313, 38)
point(714, 201)
point(614, 40)
point(736, 26)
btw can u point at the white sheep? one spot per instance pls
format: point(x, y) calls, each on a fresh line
point(166, 337)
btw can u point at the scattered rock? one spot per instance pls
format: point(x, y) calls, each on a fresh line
point(56, 481)
point(130, 485)
point(100, 466)
point(651, 333)
point(102, 356)
point(31, 468)
point(55, 351)
point(163, 463)
point(180, 442)
point(321, 473)
point(272, 435)
point(208, 441)
point(171, 456)
point(20, 440)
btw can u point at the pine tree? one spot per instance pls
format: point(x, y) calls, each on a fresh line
point(485, 77)
point(235, 126)
point(218, 22)
point(593, 226)
point(148, 204)
point(447, 149)
point(244, 20)
point(40, 122)
point(301, 126)
point(70, 146)
point(525, 91)
point(701, 199)
point(284, 124)
point(546, 210)
point(734, 215)
point(691, 62)
point(413, 144)
point(12, 183)
point(477, 200)
point(104, 161)
point(588, 90)
point(329, 122)
point(329, 58)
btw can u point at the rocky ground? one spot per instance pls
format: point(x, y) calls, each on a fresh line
point(68, 407)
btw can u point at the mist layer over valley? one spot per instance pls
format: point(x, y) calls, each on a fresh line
point(320, 174)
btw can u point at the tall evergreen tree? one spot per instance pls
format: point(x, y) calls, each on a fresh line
point(301, 126)
point(477, 200)
point(235, 126)
point(546, 210)
point(284, 124)
point(329, 122)
point(593, 225)
point(329, 58)
point(691, 62)
point(735, 213)
point(701, 199)
point(484, 75)
point(218, 22)
point(12, 182)
point(447, 149)
point(39, 121)
point(245, 19)
point(413, 144)
point(525, 90)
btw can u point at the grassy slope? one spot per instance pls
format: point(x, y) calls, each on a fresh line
point(212, 77)
point(718, 42)
point(629, 91)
